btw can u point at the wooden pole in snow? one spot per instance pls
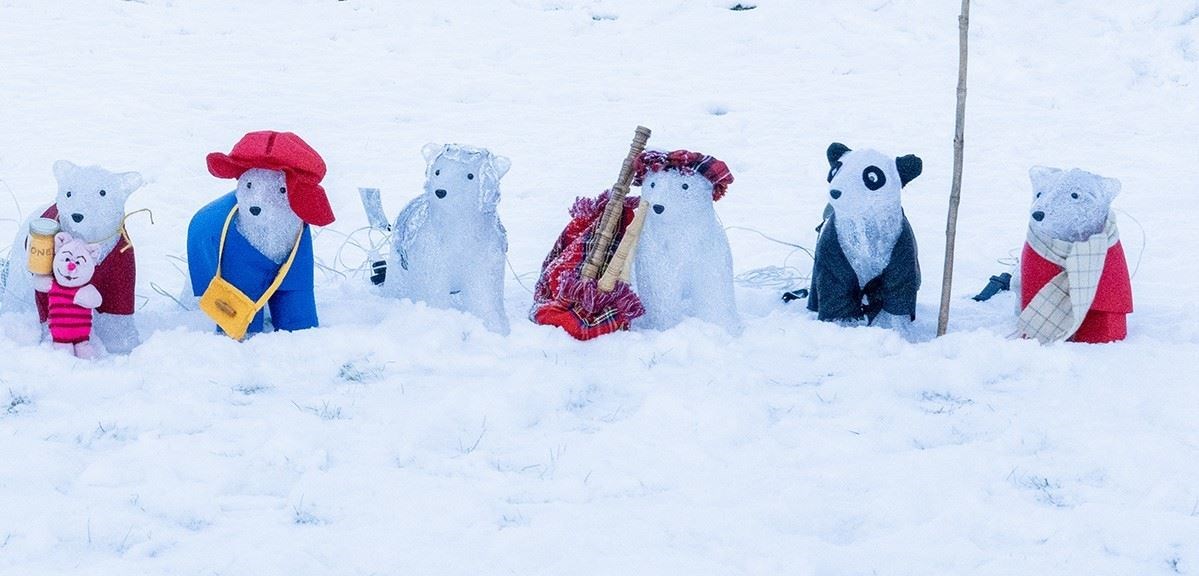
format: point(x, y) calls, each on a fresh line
point(959, 140)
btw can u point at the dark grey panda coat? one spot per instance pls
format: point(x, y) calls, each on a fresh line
point(835, 294)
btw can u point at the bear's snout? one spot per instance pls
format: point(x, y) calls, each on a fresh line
point(1038, 215)
point(440, 192)
point(77, 217)
point(255, 210)
point(658, 208)
point(835, 194)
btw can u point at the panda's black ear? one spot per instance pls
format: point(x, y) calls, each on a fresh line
point(909, 167)
point(835, 151)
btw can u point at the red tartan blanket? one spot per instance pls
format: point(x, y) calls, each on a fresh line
point(563, 298)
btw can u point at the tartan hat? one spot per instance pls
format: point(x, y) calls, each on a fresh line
point(687, 162)
point(286, 152)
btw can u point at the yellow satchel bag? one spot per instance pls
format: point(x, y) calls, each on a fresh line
point(229, 307)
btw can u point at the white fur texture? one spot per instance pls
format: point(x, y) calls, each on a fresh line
point(448, 244)
point(1071, 205)
point(683, 264)
point(264, 215)
point(868, 221)
point(91, 205)
point(91, 202)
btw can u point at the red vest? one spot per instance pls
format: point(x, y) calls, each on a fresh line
point(1106, 321)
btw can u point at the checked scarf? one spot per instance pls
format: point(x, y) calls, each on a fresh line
point(1059, 308)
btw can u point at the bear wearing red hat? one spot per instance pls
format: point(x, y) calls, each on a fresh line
point(257, 237)
point(683, 264)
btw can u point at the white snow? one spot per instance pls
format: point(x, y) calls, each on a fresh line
point(400, 439)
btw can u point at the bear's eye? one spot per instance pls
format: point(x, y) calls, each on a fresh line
point(1038, 194)
point(685, 186)
point(249, 185)
point(873, 177)
point(470, 176)
point(103, 193)
point(832, 172)
point(653, 184)
point(283, 190)
point(437, 172)
point(68, 193)
point(1074, 195)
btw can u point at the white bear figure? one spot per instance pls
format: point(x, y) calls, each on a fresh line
point(448, 245)
point(90, 206)
point(1070, 205)
point(866, 264)
point(1073, 282)
point(264, 215)
point(72, 297)
point(683, 266)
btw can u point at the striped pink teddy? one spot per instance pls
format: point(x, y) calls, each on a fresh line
point(71, 294)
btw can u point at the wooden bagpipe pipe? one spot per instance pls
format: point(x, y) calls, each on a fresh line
point(584, 284)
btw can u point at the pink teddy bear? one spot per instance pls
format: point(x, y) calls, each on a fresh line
point(72, 296)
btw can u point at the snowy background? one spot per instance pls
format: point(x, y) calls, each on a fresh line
point(402, 440)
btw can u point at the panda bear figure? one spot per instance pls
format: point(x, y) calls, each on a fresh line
point(866, 266)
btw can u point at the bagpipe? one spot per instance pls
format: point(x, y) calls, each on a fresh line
point(584, 283)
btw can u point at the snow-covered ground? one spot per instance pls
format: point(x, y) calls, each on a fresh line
point(397, 439)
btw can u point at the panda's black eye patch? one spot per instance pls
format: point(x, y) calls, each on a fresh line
point(685, 186)
point(832, 172)
point(470, 176)
point(1074, 195)
point(873, 177)
point(103, 193)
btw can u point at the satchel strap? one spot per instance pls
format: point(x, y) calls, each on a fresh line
point(283, 270)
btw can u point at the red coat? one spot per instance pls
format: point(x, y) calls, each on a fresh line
point(1106, 321)
point(115, 278)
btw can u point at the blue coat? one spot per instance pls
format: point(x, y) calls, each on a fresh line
point(293, 307)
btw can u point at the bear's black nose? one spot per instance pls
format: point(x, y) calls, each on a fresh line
point(440, 193)
point(77, 217)
point(658, 208)
point(1038, 215)
point(835, 194)
point(255, 210)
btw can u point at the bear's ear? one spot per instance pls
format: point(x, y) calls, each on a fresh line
point(835, 151)
point(1040, 176)
point(502, 164)
point(1111, 187)
point(63, 169)
point(430, 150)
point(909, 167)
point(61, 239)
point(129, 181)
